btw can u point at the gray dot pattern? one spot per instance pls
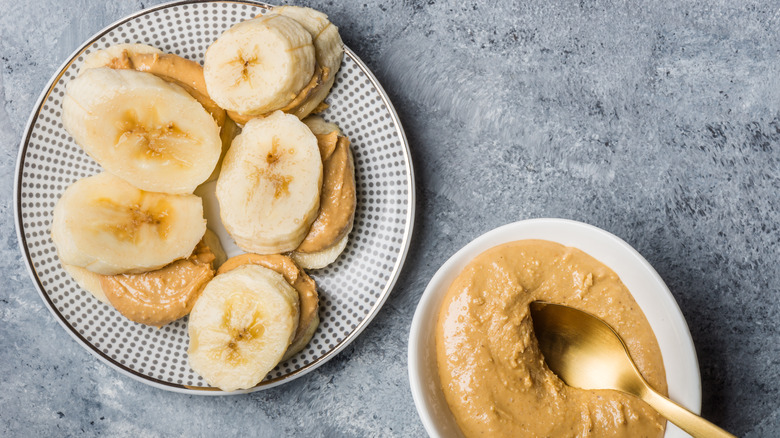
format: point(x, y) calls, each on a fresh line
point(351, 290)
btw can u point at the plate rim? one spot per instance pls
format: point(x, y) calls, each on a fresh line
point(180, 388)
point(508, 233)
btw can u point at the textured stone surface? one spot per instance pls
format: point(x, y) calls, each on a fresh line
point(657, 121)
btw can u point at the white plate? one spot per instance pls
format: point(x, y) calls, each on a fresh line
point(650, 292)
point(352, 290)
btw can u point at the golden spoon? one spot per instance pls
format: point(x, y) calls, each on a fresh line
point(585, 352)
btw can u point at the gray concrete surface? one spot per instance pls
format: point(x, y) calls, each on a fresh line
point(657, 121)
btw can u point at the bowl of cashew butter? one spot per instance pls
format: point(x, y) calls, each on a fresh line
point(475, 368)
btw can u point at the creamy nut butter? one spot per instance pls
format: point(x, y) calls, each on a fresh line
point(337, 198)
point(492, 373)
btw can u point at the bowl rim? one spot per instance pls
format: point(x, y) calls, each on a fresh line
point(655, 299)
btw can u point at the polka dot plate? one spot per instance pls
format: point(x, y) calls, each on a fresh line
point(352, 290)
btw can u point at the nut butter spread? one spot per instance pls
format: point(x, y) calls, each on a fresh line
point(294, 276)
point(491, 370)
point(337, 197)
point(161, 296)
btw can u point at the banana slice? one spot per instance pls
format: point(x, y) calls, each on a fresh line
point(323, 258)
point(88, 280)
point(328, 47)
point(328, 50)
point(114, 55)
point(259, 65)
point(241, 326)
point(109, 227)
point(299, 280)
point(143, 129)
point(300, 342)
point(211, 240)
point(338, 196)
point(269, 186)
point(172, 68)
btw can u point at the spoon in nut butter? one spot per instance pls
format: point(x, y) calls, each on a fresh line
point(585, 352)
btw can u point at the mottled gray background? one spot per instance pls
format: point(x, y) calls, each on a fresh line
point(658, 121)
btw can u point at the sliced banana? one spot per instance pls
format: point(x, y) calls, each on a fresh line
point(172, 68)
point(113, 55)
point(160, 296)
point(300, 342)
point(143, 129)
point(269, 186)
point(323, 258)
point(241, 326)
point(328, 50)
point(88, 280)
point(259, 65)
point(107, 226)
point(338, 198)
point(299, 280)
point(328, 47)
point(211, 240)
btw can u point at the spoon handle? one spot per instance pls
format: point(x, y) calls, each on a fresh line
point(686, 420)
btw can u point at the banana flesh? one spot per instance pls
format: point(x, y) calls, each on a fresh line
point(241, 327)
point(338, 197)
point(107, 226)
point(241, 87)
point(143, 129)
point(328, 47)
point(269, 185)
point(114, 56)
point(156, 297)
point(259, 65)
point(172, 68)
point(299, 280)
point(159, 297)
point(322, 258)
point(300, 342)
point(328, 50)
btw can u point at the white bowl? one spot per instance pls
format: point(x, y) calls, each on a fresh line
point(650, 292)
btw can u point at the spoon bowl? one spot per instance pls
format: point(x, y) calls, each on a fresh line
point(585, 352)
